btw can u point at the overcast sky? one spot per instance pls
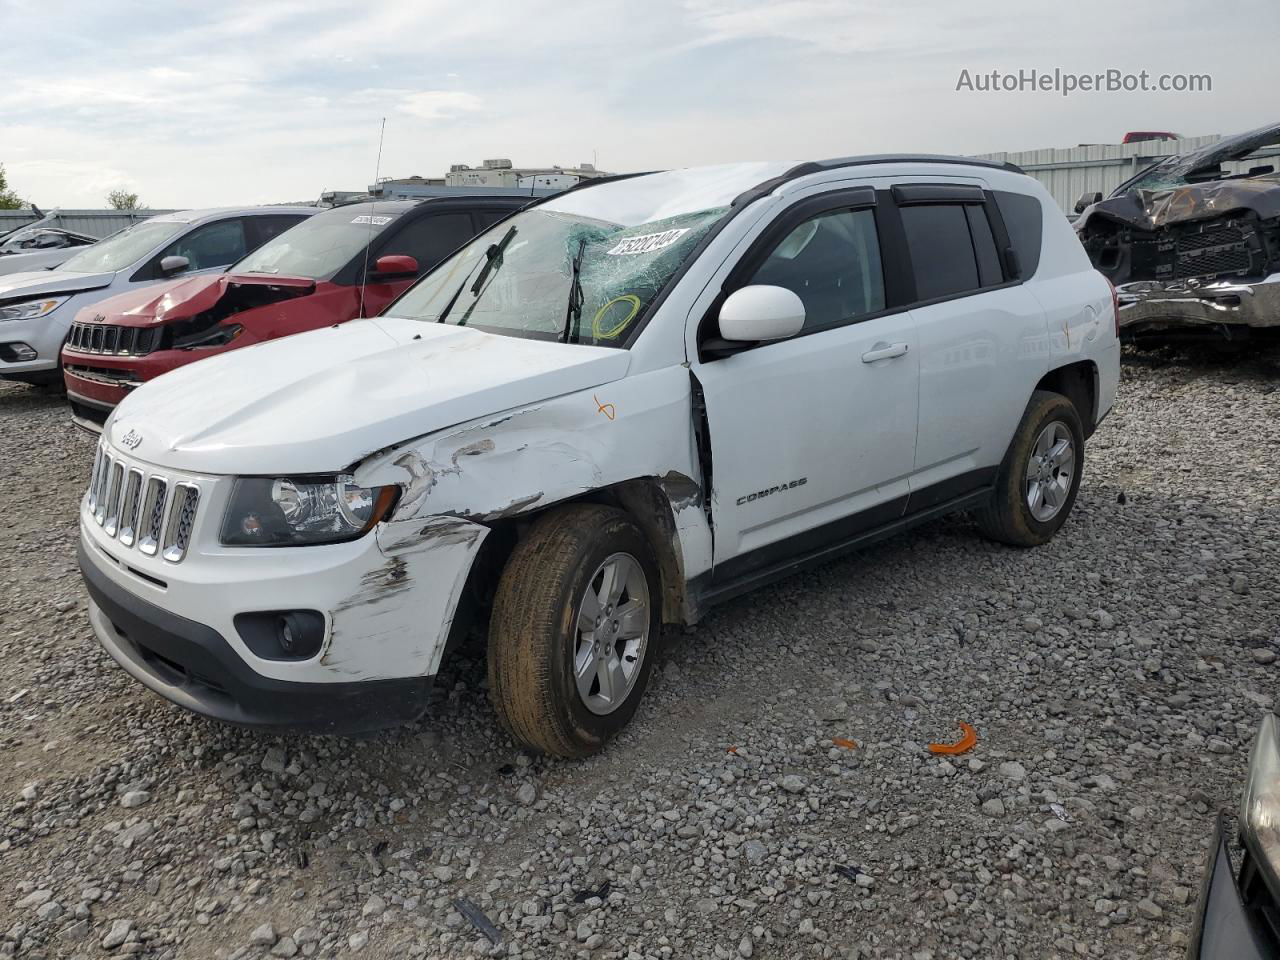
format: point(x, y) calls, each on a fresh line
point(236, 102)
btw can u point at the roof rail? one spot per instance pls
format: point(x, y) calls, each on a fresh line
point(817, 166)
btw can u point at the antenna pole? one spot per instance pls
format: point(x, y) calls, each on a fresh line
point(377, 171)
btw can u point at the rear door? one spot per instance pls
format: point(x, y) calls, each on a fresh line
point(812, 438)
point(981, 332)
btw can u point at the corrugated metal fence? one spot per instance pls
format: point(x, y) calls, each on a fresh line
point(96, 223)
point(1071, 171)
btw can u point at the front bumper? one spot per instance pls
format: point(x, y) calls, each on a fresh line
point(1225, 927)
point(193, 666)
point(1148, 306)
point(44, 335)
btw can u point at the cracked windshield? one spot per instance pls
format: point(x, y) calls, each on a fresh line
point(550, 275)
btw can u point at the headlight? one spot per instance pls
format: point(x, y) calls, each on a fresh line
point(1260, 805)
point(30, 309)
point(288, 511)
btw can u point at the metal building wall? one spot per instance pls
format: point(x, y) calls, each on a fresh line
point(96, 223)
point(1071, 171)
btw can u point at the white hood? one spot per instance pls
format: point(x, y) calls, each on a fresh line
point(36, 283)
point(319, 402)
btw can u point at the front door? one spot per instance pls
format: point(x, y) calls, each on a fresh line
point(813, 438)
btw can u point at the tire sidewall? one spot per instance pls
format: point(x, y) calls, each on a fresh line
point(617, 535)
point(1060, 409)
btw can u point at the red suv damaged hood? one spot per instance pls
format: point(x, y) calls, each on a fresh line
point(163, 303)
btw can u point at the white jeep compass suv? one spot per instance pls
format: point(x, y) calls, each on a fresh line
point(614, 409)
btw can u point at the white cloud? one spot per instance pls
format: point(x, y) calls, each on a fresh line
point(245, 102)
point(439, 104)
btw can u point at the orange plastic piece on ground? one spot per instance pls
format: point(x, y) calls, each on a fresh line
point(847, 744)
point(963, 745)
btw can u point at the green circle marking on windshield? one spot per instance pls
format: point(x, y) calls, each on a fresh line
point(601, 332)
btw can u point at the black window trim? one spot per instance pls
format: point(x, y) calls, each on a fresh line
point(914, 194)
point(711, 347)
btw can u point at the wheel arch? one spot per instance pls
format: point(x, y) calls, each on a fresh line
point(650, 502)
point(1078, 382)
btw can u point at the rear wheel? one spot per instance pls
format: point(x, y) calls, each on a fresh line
point(1040, 476)
point(574, 626)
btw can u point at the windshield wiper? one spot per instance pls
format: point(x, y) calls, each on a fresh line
point(573, 313)
point(492, 255)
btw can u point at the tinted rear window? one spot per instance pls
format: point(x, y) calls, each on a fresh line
point(1024, 220)
point(941, 250)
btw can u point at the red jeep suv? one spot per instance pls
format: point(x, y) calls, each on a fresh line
point(305, 278)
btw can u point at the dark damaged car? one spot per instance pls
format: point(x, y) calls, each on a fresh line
point(1192, 248)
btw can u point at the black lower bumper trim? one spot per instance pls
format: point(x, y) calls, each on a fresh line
point(192, 665)
point(1224, 929)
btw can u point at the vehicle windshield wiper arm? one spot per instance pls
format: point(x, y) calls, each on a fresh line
point(573, 313)
point(492, 255)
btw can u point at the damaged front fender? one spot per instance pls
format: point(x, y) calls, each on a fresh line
point(396, 621)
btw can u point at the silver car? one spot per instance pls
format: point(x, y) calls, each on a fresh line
point(37, 307)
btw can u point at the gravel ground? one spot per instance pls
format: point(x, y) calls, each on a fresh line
point(1114, 677)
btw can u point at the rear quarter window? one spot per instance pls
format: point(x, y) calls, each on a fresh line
point(1024, 220)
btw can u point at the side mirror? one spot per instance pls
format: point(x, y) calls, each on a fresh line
point(761, 312)
point(395, 265)
point(1087, 200)
point(170, 265)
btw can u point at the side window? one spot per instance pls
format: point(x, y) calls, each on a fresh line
point(832, 263)
point(262, 229)
point(942, 255)
point(212, 245)
point(487, 218)
point(1024, 220)
point(430, 239)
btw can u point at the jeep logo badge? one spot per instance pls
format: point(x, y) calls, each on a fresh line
point(131, 440)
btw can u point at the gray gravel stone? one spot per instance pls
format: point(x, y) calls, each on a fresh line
point(1112, 671)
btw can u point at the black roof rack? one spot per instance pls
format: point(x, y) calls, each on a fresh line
point(817, 166)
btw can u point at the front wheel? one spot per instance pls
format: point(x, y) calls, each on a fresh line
point(574, 626)
point(1040, 476)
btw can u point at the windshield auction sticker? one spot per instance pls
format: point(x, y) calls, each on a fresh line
point(647, 242)
point(375, 221)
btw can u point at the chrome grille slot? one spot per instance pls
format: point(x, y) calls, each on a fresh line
point(93, 479)
point(110, 338)
point(182, 515)
point(131, 507)
point(153, 515)
point(112, 522)
point(104, 492)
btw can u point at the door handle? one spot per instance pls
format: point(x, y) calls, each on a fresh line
point(884, 351)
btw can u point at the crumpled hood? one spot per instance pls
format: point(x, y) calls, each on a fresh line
point(35, 283)
point(320, 402)
point(1152, 209)
point(161, 303)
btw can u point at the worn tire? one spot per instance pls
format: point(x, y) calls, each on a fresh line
point(1007, 518)
point(532, 632)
